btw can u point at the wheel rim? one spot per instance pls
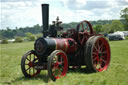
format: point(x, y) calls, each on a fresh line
point(59, 65)
point(101, 54)
point(30, 63)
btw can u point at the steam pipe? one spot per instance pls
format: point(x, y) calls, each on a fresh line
point(45, 18)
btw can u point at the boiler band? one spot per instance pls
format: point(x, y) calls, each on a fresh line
point(47, 45)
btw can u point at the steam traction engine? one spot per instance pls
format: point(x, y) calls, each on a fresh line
point(56, 52)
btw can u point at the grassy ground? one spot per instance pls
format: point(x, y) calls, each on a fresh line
point(10, 71)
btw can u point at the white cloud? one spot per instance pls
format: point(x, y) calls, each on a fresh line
point(23, 13)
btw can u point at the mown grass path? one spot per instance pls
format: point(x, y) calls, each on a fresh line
point(10, 70)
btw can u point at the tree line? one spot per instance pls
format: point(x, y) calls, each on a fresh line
point(100, 26)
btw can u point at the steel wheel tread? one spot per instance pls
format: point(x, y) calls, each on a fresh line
point(89, 55)
point(50, 63)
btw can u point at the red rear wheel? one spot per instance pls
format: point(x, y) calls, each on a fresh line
point(57, 65)
point(97, 54)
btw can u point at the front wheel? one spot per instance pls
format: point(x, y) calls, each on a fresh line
point(57, 65)
point(28, 63)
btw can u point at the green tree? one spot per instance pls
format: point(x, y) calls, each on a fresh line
point(116, 26)
point(28, 34)
point(106, 28)
point(97, 28)
point(124, 15)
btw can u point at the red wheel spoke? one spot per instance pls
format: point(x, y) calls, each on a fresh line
point(104, 52)
point(56, 64)
point(94, 53)
point(81, 33)
point(103, 60)
point(59, 71)
point(101, 44)
point(87, 28)
point(82, 26)
point(96, 48)
point(55, 72)
point(94, 58)
point(82, 42)
point(98, 45)
point(61, 60)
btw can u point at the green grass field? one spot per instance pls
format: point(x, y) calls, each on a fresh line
point(10, 71)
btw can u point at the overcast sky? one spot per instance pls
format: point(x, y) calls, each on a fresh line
point(22, 13)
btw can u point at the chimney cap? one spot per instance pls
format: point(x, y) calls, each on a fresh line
point(44, 4)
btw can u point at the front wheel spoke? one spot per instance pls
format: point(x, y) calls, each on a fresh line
point(55, 66)
point(30, 71)
point(62, 68)
point(55, 59)
point(55, 72)
point(59, 70)
point(27, 59)
point(35, 59)
point(26, 64)
point(28, 68)
point(33, 70)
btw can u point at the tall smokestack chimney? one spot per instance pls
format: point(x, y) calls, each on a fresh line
point(45, 18)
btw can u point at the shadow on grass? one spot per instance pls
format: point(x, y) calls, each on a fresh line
point(43, 77)
point(79, 70)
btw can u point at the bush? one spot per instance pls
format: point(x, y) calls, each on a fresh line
point(4, 41)
point(126, 38)
point(32, 38)
point(18, 39)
